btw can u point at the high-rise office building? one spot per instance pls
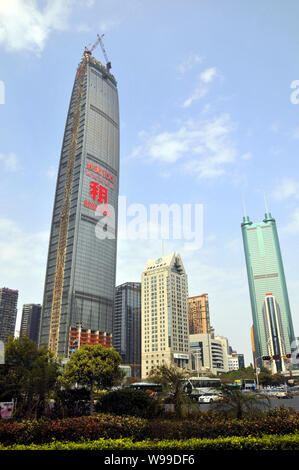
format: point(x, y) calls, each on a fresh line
point(199, 315)
point(8, 312)
point(272, 322)
point(30, 322)
point(80, 273)
point(164, 314)
point(208, 353)
point(126, 338)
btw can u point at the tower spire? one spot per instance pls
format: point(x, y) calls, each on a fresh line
point(244, 207)
point(266, 204)
point(246, 219)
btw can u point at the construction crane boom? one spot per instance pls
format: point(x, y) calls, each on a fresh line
point(100, 41)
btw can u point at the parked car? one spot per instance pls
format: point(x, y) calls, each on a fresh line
point(209, 398)
point(272, 392)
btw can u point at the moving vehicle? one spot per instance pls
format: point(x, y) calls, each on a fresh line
point(209, 398)
point(245, 384)
point(147, 386)
point(284, 394)
point(195, 387)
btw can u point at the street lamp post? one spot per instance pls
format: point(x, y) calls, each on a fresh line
point(257, 371)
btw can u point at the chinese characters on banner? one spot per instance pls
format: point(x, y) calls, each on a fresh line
point(102, 181)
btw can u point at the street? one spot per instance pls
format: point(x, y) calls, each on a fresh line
point(274, 403)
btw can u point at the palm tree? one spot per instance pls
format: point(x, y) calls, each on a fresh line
point(236, 403)
point(172, 377)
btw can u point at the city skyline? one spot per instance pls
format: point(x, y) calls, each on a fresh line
point(198, 124)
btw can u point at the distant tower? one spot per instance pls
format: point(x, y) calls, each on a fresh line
point(30, 323)
point(266, 276)
point(126, 338)
point(80, 274)
point(165, 329)
point(199, 315)
point(274, 333)
point(8, 312)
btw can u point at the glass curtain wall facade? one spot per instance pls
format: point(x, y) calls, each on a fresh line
point(8, 312)
point(30, 323)
point(80, 273)
point(126, 338)
point(266, 276)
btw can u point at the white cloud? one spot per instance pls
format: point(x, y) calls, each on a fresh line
point(23, 257)
point(188, 64)
point(51, 172)
point(201, 90)
point(246, 156)
point(286, 188)
point(293, 227)
point(109, 24)
point(10, 161)
point(24, 24)
point(295, 133)
point(206, 146)
point(198, 93)
point(208, 75)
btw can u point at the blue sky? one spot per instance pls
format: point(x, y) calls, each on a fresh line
point(206, 117)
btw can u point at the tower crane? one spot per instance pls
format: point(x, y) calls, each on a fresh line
point(99, 41)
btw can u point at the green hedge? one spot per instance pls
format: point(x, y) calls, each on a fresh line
point(288, 442)
point(206, 426)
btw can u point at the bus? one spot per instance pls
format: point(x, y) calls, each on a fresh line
point(150, 387)
point(197, 386)
point(244, 384)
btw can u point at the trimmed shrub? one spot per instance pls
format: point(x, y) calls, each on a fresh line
point(72, 429)
point(208, 425)
point(288, 442)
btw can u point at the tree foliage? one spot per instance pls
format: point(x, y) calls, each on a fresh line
point(93, 367)
point(28, 376)
point(171, 377)
point(236, 404)
point(129, 402)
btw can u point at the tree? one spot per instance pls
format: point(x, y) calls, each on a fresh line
point(93, 367)
point(243, 373)
point(266, 378)
point(171, 377)
point(28, 375)
point(236, 403)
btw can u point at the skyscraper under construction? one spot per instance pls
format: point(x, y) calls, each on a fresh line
point(80, 274)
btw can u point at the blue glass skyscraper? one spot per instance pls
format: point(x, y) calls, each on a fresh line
point(272, 322)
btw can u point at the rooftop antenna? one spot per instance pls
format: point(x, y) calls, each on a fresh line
point(266, 204)
point(244, 207)
point(162, 248)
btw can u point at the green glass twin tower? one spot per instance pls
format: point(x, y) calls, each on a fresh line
point(272, 322)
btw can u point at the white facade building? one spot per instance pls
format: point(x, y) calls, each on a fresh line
point(164, 314)
point(208, 354)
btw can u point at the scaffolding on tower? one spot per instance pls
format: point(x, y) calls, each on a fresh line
point(65, 212)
